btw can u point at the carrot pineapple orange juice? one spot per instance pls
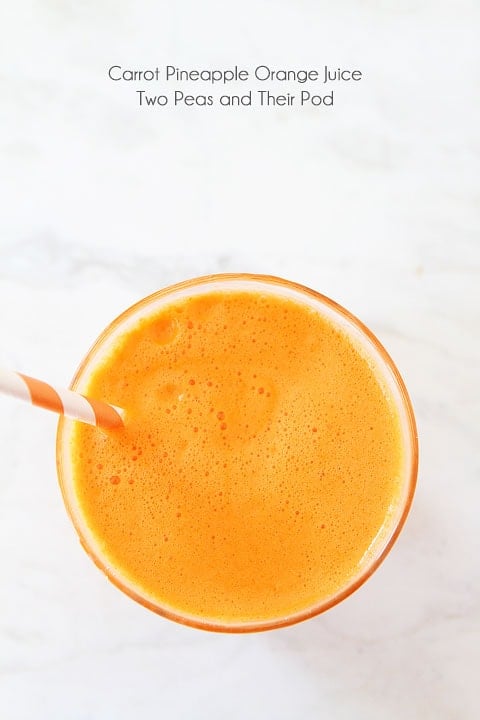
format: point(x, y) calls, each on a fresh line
point(266, 462)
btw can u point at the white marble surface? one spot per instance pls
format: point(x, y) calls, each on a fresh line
point(375, 204)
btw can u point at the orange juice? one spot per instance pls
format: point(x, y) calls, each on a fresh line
point(267, 461)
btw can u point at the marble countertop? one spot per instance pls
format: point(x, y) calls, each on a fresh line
point(374, 203)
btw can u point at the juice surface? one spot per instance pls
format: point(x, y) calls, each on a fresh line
point(260, 462)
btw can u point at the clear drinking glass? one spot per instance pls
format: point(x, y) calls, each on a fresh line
point(371, 347)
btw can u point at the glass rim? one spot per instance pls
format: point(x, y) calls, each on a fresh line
point(410, 439)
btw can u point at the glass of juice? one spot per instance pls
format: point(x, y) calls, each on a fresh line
point(268, 459)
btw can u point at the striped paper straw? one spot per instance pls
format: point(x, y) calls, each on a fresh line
point(65, 402)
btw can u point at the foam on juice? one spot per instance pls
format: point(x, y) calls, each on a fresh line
point(260, 461)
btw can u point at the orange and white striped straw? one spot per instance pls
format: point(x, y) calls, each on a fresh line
point(65, 402)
